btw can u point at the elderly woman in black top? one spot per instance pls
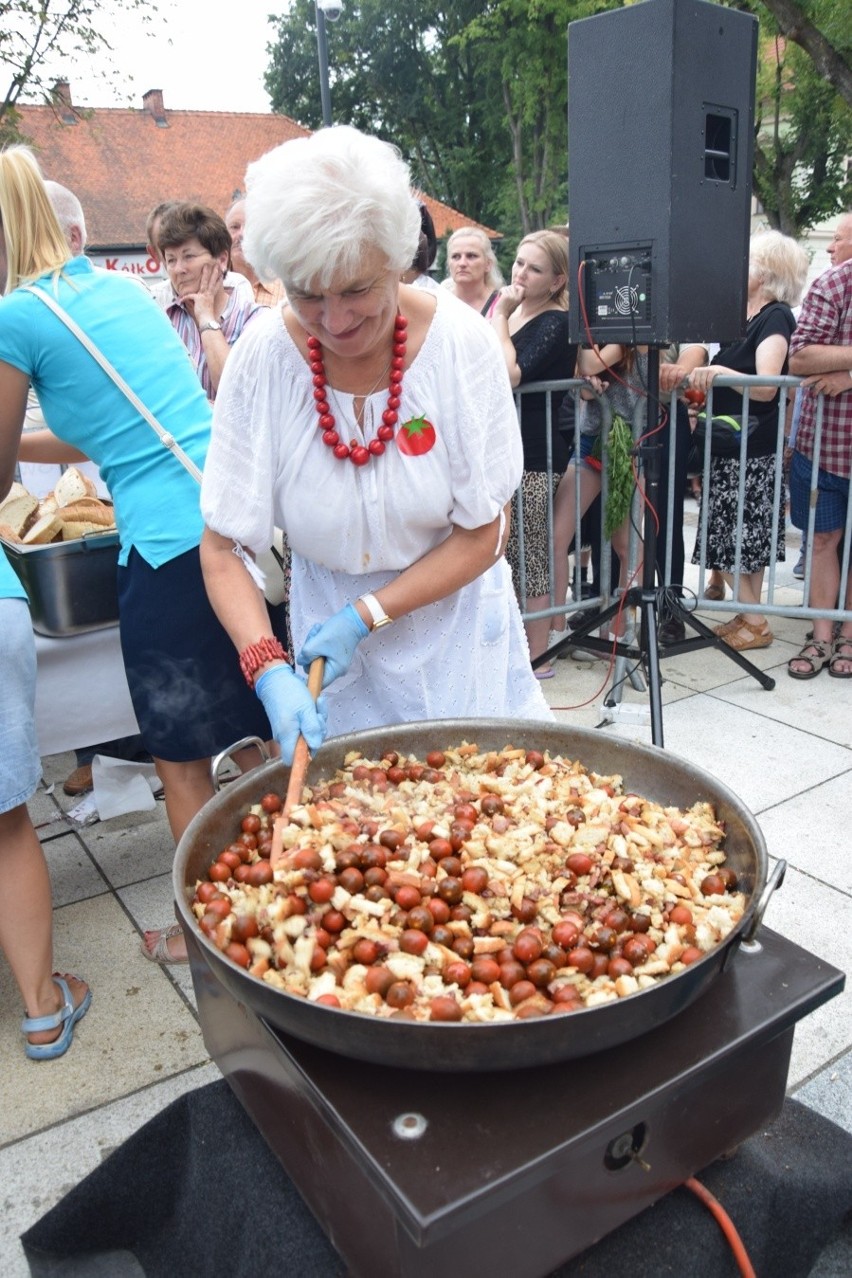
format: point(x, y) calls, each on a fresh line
point(531, 320)
point(776, 275)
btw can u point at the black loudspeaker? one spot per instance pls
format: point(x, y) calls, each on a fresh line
point(660, 129)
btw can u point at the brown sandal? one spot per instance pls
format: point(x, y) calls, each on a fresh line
point(817, 653)
point(837, 654)
point(747, 636)
point(728, 627)
point(714, 592)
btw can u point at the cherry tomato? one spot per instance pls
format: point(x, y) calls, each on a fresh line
point(219, 906)
point(535, 759)
point(466, 812)
point(378, 980)
point(319, 958)
point(463, 946)
point(582, 958)
point(333, 921)
point(436, 758)
point(238, 954)
point(444, 1008)
point(366, 951)
point(353, 880)
point(680, 914)
point(244, 926)
point(450, 890)
point(230, 859)
point(305, 859)
point(422, 918)
point(407, 896)
point(439, 909)
point(413, 941)
point(270, 803)
point(474, 879)
point(328, 1000)
point(485, 970)
point(439, 848)
point(390, 839)
point(399, 994)
point(251, 824)
point(492, 804)
point(526, 911)
point(527, 947)
point(206, 891)
point(321, 891)
point(219, 872)
point(541, 973)
point(521, 990)
point(511, 973)
point(442, 936)
point(579, 863)
point(457, 973)
point(691, 955)
point(566, 934)
point(713, 885)
point(260, 873)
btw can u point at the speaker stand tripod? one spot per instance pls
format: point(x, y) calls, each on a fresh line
point(645, 598)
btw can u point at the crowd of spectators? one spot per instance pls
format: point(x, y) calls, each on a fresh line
point(309, 314)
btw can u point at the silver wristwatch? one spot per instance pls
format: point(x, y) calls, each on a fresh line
point(377, 613)
point(211, 325)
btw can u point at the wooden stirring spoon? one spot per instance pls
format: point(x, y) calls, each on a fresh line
point(298, 769)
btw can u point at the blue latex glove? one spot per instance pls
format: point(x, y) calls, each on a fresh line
point(335, 639)
point(291, 710)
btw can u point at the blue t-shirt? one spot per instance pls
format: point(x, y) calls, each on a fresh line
point(156, 499)
point(10, 584)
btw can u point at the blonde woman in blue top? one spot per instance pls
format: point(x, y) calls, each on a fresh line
point(188, 693)
point(53, 1003)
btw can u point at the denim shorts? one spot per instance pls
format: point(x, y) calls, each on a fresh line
point(20, 765)
point(832, 496)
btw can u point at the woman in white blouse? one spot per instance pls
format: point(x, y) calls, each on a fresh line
point(375, 424)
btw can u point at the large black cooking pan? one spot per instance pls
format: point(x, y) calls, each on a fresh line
point(505, 1045)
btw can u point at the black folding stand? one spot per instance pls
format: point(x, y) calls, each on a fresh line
point(646, 598)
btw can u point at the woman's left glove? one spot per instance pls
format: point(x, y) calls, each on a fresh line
point(291, 710)
point(335, 639)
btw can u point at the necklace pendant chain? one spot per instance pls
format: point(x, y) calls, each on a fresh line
point(359, 454)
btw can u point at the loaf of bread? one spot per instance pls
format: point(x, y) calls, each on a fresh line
point(71, 486)
point(46, 529)
point(72, 510)
point(18, 509)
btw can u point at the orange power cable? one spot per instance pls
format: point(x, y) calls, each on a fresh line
point(725, 1224)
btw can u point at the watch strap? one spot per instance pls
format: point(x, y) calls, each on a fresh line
point(211, 326)
point(377, 613)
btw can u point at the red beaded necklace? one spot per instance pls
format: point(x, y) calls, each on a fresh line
point(359, 454)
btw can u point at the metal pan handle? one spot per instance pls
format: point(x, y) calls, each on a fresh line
point(776, 878)
point(226, 754)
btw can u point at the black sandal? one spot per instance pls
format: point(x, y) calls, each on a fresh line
point(817, 653)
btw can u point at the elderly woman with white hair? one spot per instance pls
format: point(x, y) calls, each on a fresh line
point(375, 424)
point(777, 267)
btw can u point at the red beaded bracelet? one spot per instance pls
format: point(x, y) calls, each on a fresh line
point(258, 654)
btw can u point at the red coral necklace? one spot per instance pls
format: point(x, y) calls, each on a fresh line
point(359, 454)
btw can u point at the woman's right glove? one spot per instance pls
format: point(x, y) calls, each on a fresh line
point(291, 710)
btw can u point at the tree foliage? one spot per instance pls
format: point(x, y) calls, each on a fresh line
point(474, 95)
point(803, 126)
point(824, 31)
point(803, 134)
point(36, 35)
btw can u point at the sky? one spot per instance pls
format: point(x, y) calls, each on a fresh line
point(216, 59)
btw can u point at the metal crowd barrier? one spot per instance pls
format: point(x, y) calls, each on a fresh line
point(772, 604)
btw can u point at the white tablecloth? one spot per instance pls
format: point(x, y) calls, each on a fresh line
point(82, 696)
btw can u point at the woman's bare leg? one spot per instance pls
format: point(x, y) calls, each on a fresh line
point(26, 921)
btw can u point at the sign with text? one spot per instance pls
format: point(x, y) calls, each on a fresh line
point(139, 264)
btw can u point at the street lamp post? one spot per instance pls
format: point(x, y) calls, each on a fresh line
point(326, 10)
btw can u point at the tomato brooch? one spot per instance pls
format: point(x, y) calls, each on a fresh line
point(415, 437)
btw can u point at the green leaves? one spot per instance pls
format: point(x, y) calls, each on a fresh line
point(619, 469)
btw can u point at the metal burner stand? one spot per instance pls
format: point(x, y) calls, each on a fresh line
point(417, 1174)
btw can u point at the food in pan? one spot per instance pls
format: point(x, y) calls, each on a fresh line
point(469, 886)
